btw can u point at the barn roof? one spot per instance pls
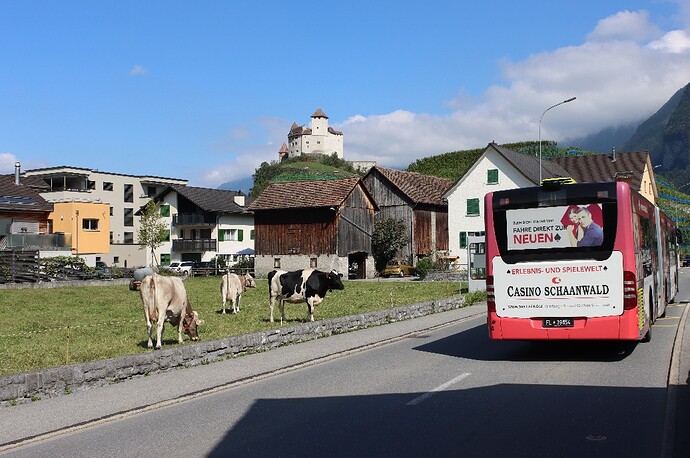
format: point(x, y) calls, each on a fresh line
point(602, 167)
point(419, 188)
point(208, 199)
point(529, 165)
point(22, 196)
point(305, 194)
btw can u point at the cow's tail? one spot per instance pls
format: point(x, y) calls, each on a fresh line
point(150, 299)
point(271, 274)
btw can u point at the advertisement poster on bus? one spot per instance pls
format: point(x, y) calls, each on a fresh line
point(555, 227)
point(583, 288)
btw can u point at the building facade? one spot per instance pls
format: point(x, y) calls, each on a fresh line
point(122, 195)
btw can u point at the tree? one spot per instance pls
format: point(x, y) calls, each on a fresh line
point(390, 235)
point(152, 230)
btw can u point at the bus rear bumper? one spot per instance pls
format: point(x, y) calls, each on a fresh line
point(599, 328)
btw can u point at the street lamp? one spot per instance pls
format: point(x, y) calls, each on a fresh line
point(682, 186)
point(542, 115)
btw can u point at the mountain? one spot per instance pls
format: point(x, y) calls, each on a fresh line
point(243, 184)
point(605, 140)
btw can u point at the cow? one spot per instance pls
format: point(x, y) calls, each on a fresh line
point(165, 299)
point(231, 288)
point(308, 285)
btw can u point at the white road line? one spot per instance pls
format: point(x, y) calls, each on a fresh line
point(427, 395)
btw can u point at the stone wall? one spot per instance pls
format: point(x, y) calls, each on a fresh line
point(66, 379)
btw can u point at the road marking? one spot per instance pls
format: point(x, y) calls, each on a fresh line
point(658, 325)
point(427, 395)
point(668, 318)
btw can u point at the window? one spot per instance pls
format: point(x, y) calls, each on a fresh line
point(312, 263)
point(116, 259)
point(129, 217)
point(89, 224)
point(129, 238)
point(165, 210)
point(129, 193)
point(165, 259)
point(276, 263)
point(90, 184)
point(230, 235)
point(107, 185)
point(492, 176)
point(150, 191)
point(473, 206)
point(111, 211)
point(166, 236)
point(463, 240)
point(251, 234)
point(111, 237)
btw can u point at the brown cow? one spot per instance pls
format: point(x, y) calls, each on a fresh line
point(165, 299)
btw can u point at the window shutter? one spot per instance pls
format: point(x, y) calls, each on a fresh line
point(221, 235)
point(165, 210)
point(463, 240)
point(240, 235)
point(492, 176)
point(251, 234)
point(472, 206)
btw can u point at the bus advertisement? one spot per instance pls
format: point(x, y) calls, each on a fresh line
point(577, 261)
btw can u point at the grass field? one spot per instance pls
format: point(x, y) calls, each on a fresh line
point(51, 327)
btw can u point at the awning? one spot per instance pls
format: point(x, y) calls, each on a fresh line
point(246, 251)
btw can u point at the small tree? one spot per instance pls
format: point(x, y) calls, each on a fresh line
point(390, 235)
point(152, 230)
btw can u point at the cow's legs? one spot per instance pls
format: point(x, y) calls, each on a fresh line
point(237, 303)
point(159, 330)
point(149, 344)
point(224, 301)
point(179, 329)
point(281, 305)
point(271, 303)
point(310, 306)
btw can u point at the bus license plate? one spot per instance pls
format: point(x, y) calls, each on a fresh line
point(558, 322)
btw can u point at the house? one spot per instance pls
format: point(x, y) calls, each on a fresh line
point(121, 194)
point(496, 169)
point(634, 167)
point(324, 224)
point(24, 215)
point(204, 224)
point(319, 138)
point(418, 201)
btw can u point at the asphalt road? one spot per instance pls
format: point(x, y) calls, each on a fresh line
point(432, 390)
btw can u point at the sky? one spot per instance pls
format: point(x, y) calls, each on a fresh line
point(208, 90)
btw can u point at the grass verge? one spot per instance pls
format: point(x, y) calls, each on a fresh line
point(52, 327)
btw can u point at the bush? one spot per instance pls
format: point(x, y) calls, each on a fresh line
point(424, 265)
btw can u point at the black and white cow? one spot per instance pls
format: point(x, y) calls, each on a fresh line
point(308, 285)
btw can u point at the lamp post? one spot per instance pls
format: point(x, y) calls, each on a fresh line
point(542, 115)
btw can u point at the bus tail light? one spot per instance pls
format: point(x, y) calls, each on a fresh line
point(490, 297)
point(629, 290)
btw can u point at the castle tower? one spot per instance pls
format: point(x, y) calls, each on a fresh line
point(319, 138)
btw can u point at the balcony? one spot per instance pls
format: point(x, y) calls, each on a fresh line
point(194, 245)
point(54, 242)
point(190, 219)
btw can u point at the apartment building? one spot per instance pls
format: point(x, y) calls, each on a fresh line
point(122, 194)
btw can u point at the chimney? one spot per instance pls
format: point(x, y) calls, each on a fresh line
point(17, 167)
point(239, 200)
point(613, 154)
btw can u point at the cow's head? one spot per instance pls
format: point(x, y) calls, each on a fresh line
point(191, 321)
point(249, 281)
point(333, 280)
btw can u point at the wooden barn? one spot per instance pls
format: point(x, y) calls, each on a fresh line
point(325, 224)
point(417, 200)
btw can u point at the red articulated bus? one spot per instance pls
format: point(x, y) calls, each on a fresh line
point(577, 261)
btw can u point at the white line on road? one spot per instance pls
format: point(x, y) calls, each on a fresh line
point(427, 395)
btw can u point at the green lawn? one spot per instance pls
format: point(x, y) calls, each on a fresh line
point(51, 327)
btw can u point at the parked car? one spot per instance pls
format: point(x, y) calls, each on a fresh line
point(172, 267)
point(398, 268)
point(686, 260)
point(185, 267)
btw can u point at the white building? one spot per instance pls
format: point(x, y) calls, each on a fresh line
point(316, 139)
point(125, 194)
point(496, 169)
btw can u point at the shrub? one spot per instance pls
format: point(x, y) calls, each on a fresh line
point(424, 265)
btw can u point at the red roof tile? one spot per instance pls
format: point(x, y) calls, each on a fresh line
point(304, 194)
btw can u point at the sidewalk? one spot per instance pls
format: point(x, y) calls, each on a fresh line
point(55, 415)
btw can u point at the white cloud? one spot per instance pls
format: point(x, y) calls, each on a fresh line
point(676, 41)
point(625, 25)
point(7, 162)
point(138, 70)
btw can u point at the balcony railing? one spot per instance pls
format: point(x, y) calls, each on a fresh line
point(38, 241)
point(182, 219)
point(188, 245)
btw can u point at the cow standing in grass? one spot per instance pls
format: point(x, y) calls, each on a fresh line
point(165, 299)
point(231, 288)
point(305, 285)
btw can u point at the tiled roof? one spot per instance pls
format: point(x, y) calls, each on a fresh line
point(304, 194)
point(529, 165)
point(212, 200)
point(21, 197)
point(319, 114)
point(421, 189)
point(601, 167)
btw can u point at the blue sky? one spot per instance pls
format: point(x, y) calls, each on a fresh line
point(208, 90)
